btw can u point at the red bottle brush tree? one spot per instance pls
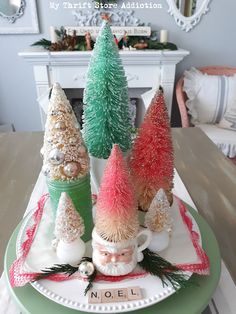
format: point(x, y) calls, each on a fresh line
point(151, 160)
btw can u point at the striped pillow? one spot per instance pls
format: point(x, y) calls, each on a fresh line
point(209, 96)
point(229, 119)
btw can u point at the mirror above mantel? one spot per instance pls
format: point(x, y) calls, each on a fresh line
point(188, 13)
point(11, 10)
point(18, 17)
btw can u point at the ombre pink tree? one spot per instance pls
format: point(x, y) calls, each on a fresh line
point(116, 214)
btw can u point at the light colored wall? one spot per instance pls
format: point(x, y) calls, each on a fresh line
point(212, 42)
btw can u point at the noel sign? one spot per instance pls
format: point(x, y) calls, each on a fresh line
point(119, 31)
point(114, 295)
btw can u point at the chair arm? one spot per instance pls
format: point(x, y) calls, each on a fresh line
point(181, 100)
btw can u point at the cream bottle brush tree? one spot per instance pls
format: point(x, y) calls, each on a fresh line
point(66, 161)
point(69, 227)
point(159, 221)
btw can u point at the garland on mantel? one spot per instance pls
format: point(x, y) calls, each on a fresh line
point(81, 43)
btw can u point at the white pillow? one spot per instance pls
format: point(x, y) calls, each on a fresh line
point(209, 96)
point(229, 120)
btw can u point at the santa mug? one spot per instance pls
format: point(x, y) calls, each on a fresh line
point(118, 258)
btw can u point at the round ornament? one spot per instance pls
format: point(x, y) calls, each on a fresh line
point(69, 110)
point(50, 140)
point(73, 140)
point(71, 169)
point(56, 157)
point(55, 113)
point(60, 126)
point(86, 269)
point(46, 170)
point(77, 125)
point(42, 152)
point(82, 150)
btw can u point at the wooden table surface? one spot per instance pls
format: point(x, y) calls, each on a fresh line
point(20, 163)
point(209, 177)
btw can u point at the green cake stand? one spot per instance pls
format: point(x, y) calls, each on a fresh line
point(192, 299)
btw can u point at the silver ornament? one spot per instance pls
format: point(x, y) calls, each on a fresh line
point(55, 113)
point(50, 140)
point(46, 170)
point(73, 140)
point(86, 269)
point(60, 126)
point(56, 157)
point(77, 125)
point(42, 152)
point(82, 150)
point(71, 169)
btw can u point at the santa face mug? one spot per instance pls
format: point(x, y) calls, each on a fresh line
point(118, 258)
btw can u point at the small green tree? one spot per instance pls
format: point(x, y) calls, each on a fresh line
point(106, 110)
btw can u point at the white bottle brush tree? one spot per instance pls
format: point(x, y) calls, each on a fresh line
point(69, 227)
point(159, 221)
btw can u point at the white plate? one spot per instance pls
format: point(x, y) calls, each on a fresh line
point(70, 293)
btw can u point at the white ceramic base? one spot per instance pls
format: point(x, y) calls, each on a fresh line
point(71, 253)
point(160, 241)
point(97, 168)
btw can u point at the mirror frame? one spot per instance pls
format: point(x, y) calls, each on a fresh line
point(24, 21)
point(187, 23)
point(17, 15)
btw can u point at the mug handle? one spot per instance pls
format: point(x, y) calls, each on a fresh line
point(148, 234)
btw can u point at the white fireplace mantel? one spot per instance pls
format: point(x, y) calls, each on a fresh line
point(144, 69)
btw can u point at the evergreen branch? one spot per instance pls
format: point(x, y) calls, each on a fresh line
point(90, 280)
point(58, 268)
point(68, 270)
point(43, 42)
point(167, 272)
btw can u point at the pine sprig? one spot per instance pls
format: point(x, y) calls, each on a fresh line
point(57, 269)
point(90, 280)
point(167, 272)
point(43, 42)
point(69, 270)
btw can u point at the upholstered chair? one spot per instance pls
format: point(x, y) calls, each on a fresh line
point(223, 137)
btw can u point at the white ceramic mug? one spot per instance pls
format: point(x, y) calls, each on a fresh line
point(118, 258)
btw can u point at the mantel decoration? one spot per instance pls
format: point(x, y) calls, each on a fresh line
point(67, 39)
